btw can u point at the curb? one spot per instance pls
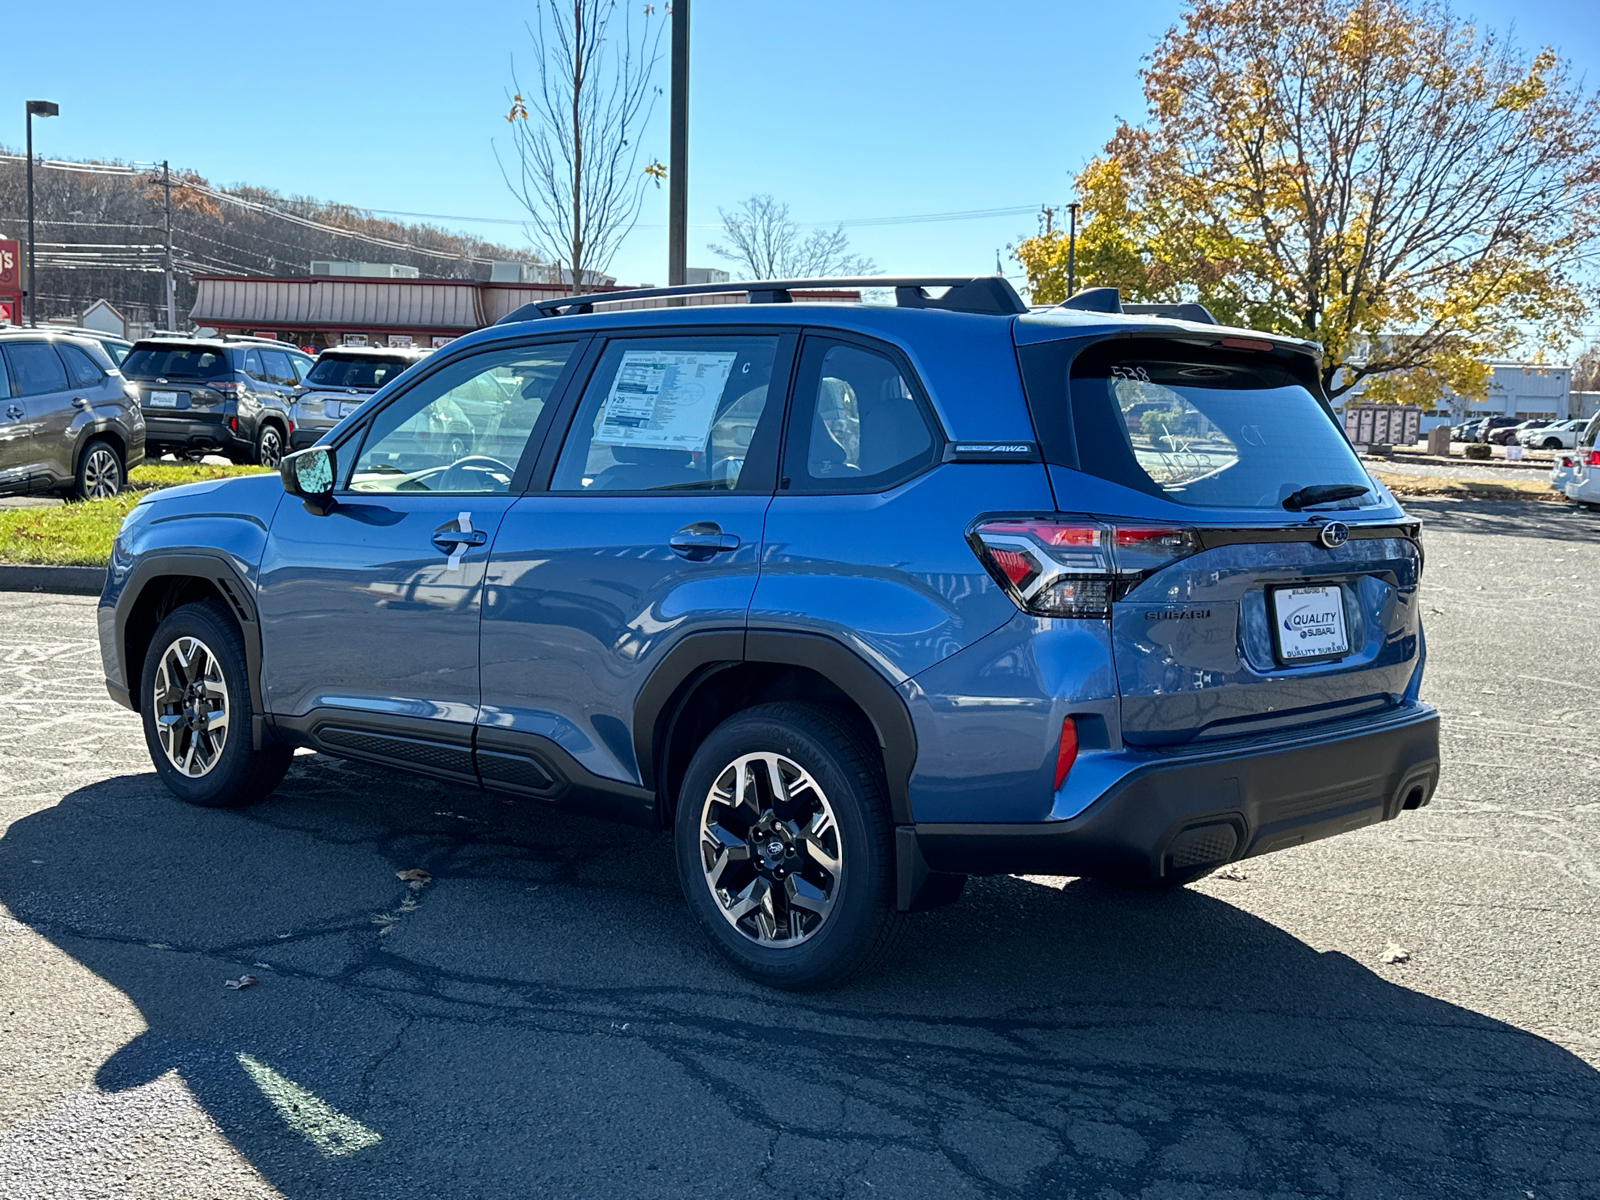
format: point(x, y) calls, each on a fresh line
point(59, 581)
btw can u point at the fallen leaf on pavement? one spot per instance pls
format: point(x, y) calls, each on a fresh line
point(243, 981)
point(415, 875)
point(1233, 873)
point(1393, 953)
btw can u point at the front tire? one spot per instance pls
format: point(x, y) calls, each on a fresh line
point(100, 472)
point(785, 848)
point(195, 704)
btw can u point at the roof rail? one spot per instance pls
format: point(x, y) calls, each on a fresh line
point(967, 293)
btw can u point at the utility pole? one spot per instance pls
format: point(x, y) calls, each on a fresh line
point(34, 108)
point(1072, 248)
point(678, 166)
point(172, 299)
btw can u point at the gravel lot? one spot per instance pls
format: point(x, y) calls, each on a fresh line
point(543, 1019)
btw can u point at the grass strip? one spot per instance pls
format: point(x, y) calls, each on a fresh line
point(79, 533)
point(1470, 489)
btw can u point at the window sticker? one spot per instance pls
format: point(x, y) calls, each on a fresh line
point(664, 398)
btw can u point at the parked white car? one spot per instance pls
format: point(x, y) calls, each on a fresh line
point(1584, 486)
point(1563, 469)
point(1560, 435)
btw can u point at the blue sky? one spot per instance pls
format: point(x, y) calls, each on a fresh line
point(845, 109)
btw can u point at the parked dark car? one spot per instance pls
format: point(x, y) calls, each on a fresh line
point(1490, 425)
point(341, 381)
point(217, 395)
point(1509, 435)
point(69, 421)
point(856, 600)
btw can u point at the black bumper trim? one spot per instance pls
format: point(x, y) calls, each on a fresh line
point(1279, 796)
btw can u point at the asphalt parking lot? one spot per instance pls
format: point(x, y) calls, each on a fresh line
point(542, 1018)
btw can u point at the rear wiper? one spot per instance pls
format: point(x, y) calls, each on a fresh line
point(1323, 493)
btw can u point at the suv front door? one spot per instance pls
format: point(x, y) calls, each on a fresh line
point(649, 531)
point(369, 613)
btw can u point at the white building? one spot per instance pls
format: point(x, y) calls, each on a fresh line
point(1516, 389)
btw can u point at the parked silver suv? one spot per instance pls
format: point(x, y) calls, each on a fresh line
point(341, 382)
point(69, 422)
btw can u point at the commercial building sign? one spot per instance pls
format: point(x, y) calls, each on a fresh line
point(10, 281)
point(10, 265)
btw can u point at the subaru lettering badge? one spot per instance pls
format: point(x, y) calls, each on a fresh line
point(1334, 534)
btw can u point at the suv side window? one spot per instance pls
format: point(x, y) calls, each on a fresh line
point(464, 429)
point(672, 414)
point(858, 424)
point(252, 365)
point(278, 369)
point(301, 364)
point(81, 369)
point(35, 368)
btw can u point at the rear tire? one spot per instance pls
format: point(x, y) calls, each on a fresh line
point(100, 474)
point(269, 446)
point(785, 848)
point(195, 702)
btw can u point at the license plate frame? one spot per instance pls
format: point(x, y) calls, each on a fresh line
point(163, 400)
point(1297, 638)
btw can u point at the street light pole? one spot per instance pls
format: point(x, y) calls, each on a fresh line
point(34, 108)
point(678, 166)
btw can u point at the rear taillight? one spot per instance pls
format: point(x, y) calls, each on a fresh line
point(1072, 566)
point(228, 387)
point(1592, 458)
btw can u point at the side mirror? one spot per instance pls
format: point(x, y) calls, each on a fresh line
point(309, 474)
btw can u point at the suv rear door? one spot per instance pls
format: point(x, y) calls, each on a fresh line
point(1199, 459)
point(642, 527)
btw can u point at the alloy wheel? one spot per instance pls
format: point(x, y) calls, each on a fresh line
point(270, 451)
point(770, 849)
point(191, 706)
point(102, 474)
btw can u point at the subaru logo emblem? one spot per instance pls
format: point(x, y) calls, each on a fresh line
point(1334, 534)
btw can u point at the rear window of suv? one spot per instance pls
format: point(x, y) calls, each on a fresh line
point(175, 362)
point(1207, 427)
point(353, 372)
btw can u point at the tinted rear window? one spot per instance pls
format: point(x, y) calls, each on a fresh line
point(175, 362)
point(1206, 427)
point(355, 372)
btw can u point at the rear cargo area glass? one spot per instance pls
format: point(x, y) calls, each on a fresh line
point(1207, 427)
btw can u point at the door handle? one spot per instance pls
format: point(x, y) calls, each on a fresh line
point(455, 537)
point(14, 412)
point(701, 541)
point(79, 402)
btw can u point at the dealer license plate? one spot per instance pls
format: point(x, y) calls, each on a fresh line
point(1308, 623)
point(163, 399)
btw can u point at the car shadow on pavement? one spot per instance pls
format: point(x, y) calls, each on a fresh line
point(1545, 520)
point(542, 1018)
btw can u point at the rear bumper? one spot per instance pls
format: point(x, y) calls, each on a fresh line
point(308, 433)
point(185, 433)
point(1181, 813)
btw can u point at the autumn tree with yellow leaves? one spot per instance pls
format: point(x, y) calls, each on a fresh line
point(1375, 175)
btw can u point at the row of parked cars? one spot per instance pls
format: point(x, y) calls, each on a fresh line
point(1540, 433)
point(81, 408)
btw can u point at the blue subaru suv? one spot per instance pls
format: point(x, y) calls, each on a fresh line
point(855, 600)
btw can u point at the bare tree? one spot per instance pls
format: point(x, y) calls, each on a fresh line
point(576, 135)
point(765, 243)
point(1586, 371)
